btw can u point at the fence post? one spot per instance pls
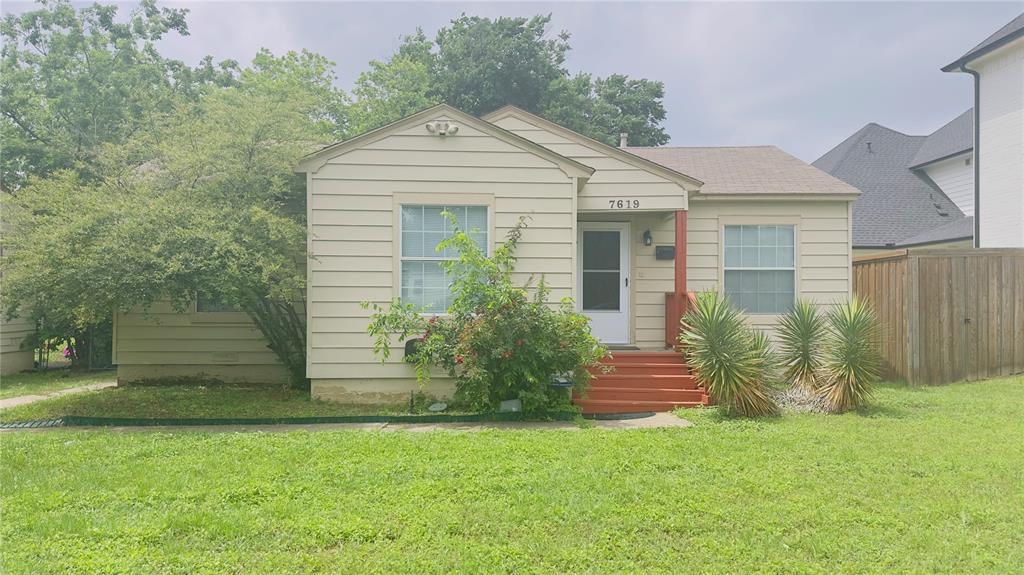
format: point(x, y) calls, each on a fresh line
point(913, 325)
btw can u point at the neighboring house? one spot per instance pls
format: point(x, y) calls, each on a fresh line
point(13, 331)
point(997, 65)
point(755, 222)
point(918, 191)
point(13, 357)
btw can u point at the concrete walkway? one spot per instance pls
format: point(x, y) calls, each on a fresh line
point(658, 420)
point(25, 399)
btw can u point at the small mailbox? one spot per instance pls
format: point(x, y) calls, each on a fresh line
point(664, 252)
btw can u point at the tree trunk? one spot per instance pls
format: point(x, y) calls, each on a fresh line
point(285, 330)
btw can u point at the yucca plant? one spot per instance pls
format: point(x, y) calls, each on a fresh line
point(728, 359)
point(766, 355)
point(851, 357)
point(801, 334)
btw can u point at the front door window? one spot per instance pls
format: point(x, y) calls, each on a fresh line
point(604, 279)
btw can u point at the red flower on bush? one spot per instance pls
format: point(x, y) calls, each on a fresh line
point(459, 358)
point(506, 354)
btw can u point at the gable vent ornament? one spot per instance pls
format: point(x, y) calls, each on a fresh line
point(442, 128)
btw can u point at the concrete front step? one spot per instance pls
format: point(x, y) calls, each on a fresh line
point(645, 394)
point(658, 381)
point(630, 406)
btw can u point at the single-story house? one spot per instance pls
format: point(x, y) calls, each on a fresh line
point(624, 231)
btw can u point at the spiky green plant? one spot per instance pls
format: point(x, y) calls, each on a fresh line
point(766, 355)
point(728, 359)
point(801, 334)
point(852, 357)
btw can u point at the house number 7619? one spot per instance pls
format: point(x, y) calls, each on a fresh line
point(623, 204)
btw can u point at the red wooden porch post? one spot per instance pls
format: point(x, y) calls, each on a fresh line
point(680, 261)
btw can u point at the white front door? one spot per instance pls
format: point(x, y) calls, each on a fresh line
point(603, 275)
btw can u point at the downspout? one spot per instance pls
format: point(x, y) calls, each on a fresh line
point(977, 157)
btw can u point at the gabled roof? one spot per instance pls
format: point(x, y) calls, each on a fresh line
point(1008, 33)
point(953, 139)
point(897, 203)
point(747, 170)
point(315, 160)
point(685, 180)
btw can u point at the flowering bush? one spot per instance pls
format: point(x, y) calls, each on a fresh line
point(496, 341)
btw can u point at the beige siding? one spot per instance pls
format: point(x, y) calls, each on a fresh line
point(354, 200)
point(823, 260)
point(219, 345)
point(12, 333)
point(823, 256)
point(613, 179)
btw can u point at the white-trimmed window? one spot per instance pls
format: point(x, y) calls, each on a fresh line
point(760, 270)
point(423, 280)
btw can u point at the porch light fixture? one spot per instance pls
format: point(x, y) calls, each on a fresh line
point(648, 240)
point(442, 128)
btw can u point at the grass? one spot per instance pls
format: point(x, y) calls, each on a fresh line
point(187, 401)
point(928, 480)
point(42, 382)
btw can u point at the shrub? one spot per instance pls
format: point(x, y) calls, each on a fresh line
point(496, 341)
point(728, 358)
point(851, 357)
point(801, 336)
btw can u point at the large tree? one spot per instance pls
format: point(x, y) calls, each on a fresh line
point(203, 201)
point(74, 80)
point(479, 64)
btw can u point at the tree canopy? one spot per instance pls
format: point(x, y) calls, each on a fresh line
point(74, 80)
point(204, 201)
point(130, 179)
point(480, 64)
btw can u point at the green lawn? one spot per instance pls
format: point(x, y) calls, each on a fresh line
point(187, 401)
point(42, 382)
point(929, 481)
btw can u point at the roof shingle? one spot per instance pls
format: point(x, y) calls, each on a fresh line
point(746, 170)
point(954, 138)
point(896, 204)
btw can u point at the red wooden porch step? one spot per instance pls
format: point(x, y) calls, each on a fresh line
point(642, 381)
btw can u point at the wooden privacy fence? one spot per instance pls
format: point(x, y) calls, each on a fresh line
point(946, 315)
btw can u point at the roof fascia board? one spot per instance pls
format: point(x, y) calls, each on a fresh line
point(316, 160)
point(942, 159)
point(689, 183)
point(773, 196)
point(972, 55)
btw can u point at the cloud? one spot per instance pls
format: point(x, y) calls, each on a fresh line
point(802, 76)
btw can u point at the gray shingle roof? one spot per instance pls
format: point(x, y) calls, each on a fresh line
point(746, 170)
point(954, 138)
point(959, 229)
point(896, 203)
point(1012, 30)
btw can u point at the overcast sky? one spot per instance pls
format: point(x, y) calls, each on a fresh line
point(801, 76)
